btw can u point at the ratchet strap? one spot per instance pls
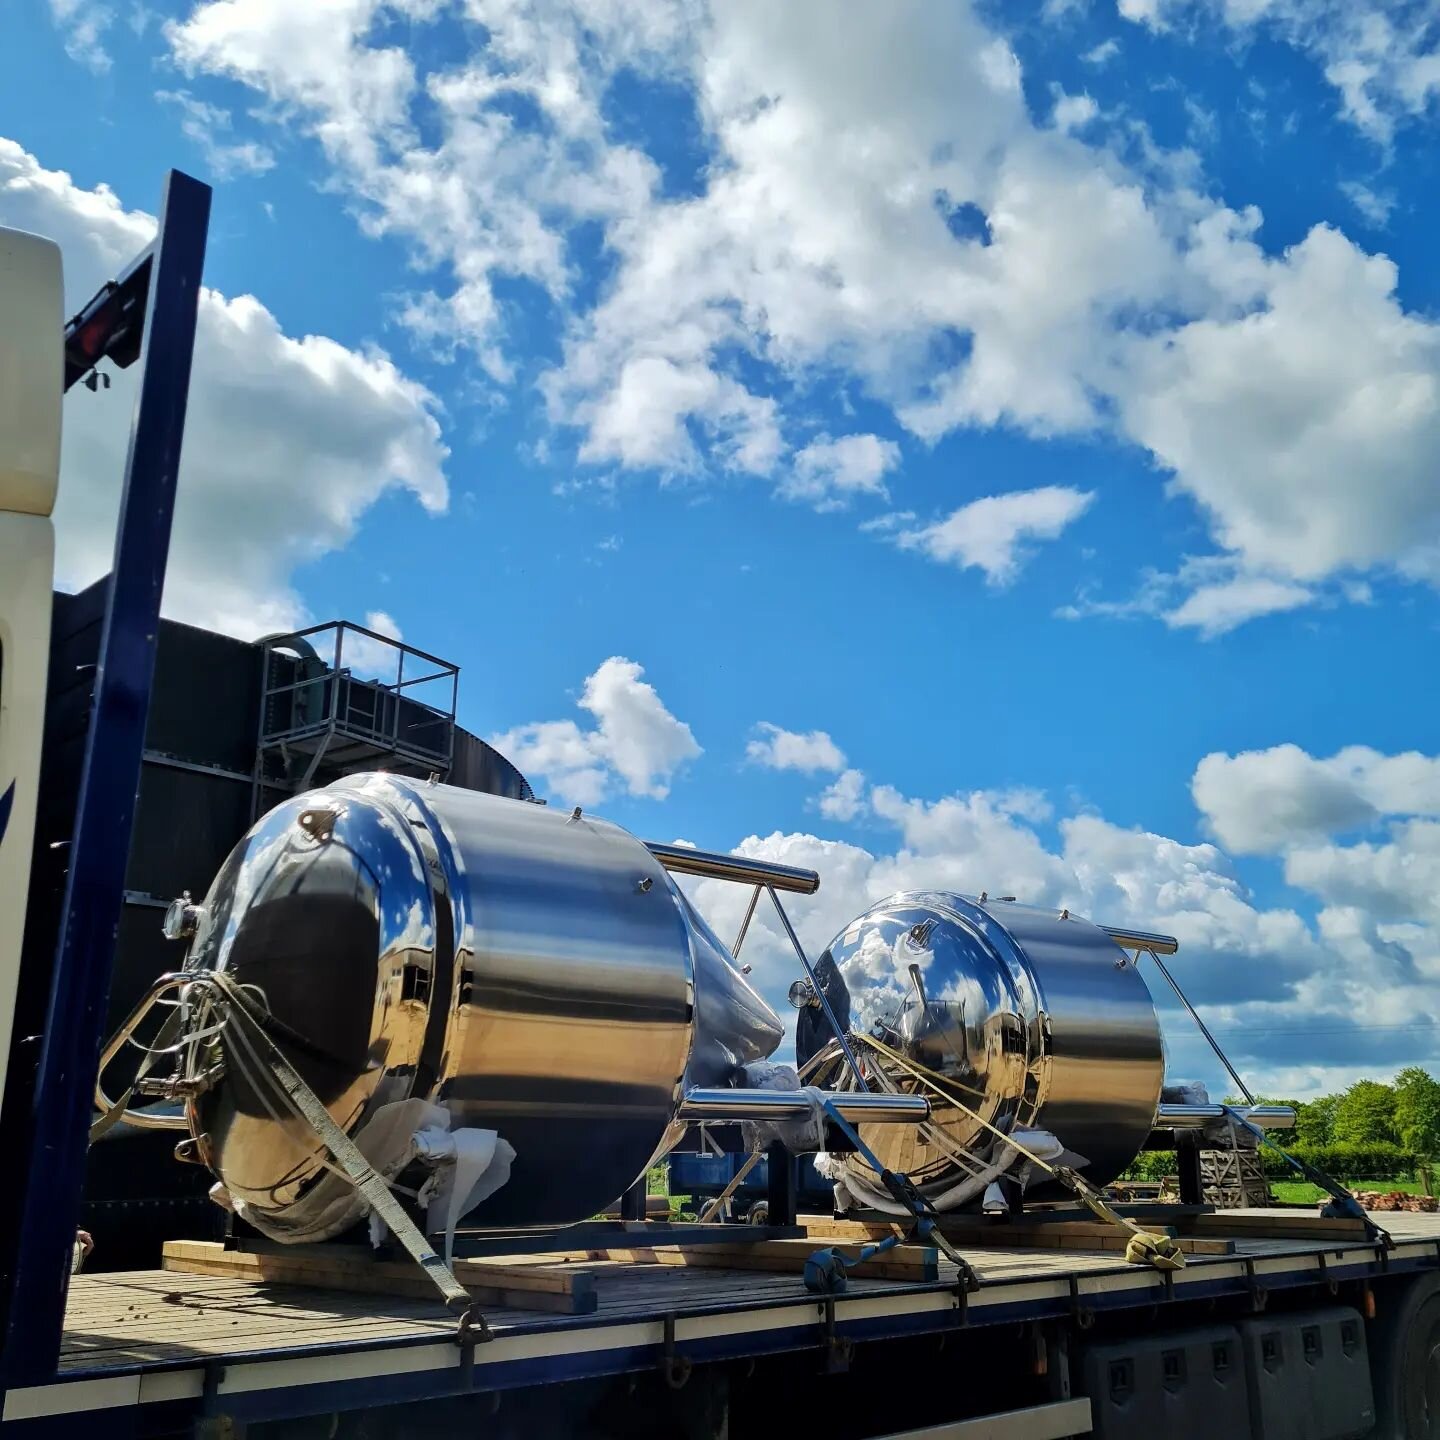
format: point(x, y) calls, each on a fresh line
point(258, 1051)
point(1341, 1203)
point(1144, 1247)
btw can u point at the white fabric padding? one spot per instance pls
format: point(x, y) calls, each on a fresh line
point(472, 1165)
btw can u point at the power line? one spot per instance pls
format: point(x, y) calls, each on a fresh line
point(1325, 1030)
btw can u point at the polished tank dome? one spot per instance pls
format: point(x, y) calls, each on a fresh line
point(1030, 1019)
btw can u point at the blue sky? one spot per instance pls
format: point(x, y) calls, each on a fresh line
point(1013, 396)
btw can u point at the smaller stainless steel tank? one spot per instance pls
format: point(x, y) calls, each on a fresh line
point(1032, 1019)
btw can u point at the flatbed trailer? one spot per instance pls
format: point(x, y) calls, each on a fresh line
point(160, 1353)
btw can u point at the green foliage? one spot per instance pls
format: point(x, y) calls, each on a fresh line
point(1301, 1192)
point(1366, 1113)
point(1345, 1162)
point(1315, 1120)
point(1342, 1162)
point(1417, 1111)
point(1151, 1165)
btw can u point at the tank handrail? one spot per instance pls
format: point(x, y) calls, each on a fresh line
point(682, 860)
point(1142, 940)
point(1198, 1117)
point(859, 1108)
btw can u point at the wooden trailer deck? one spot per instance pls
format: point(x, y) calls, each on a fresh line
point(167, 1345)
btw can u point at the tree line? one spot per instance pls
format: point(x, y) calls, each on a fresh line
point(1404, 1113)
point(1369, 1131)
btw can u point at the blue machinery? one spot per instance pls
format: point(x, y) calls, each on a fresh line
point(148, 314)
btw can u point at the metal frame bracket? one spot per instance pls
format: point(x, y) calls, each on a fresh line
point(676, 1368)
point(1083, 1315)
point(839, 1349)
point(1259, 1295)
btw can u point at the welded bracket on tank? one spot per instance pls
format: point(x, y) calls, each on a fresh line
point(745, 923)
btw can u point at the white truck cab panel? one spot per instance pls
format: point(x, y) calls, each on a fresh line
point(31, 395)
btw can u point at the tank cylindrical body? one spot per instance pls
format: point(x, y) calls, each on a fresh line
point(1030, 1019)
point(534, 973)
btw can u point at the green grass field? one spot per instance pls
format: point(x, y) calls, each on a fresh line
point(1301, 1192)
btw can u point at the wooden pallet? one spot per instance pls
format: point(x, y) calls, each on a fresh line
point(963, 1231)
point(539, 1282)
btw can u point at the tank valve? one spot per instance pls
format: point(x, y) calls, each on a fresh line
point(182, 919)
point(802, 994)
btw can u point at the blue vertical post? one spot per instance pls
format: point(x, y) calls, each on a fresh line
point(54, 1171)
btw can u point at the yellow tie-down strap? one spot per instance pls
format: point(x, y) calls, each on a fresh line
point(1145, 1247)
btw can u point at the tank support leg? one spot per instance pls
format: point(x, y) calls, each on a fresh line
point(780, 1171)
point(632, 1202)
point(1187, 1163)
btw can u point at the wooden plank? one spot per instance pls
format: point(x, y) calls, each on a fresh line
point(1276, 1225)
point(919, 1263)
point(551, 1287)
point(1071, 1235)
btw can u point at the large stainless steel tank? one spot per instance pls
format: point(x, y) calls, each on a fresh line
point(535, 973)
point(1032, 1019)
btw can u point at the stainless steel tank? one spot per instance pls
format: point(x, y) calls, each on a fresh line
point(535, 973)
point(1032, 1019)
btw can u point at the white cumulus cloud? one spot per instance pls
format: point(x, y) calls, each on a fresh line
point(635, 745)
point(83, 24)
point(828, 473)
point(778, 749)
point(1380, 56)
point(288, 440)
point(874, 204)
point(1363, 974)
point(992, 534)
point(844, 798)
point(205, 124)
point(1270, 801)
